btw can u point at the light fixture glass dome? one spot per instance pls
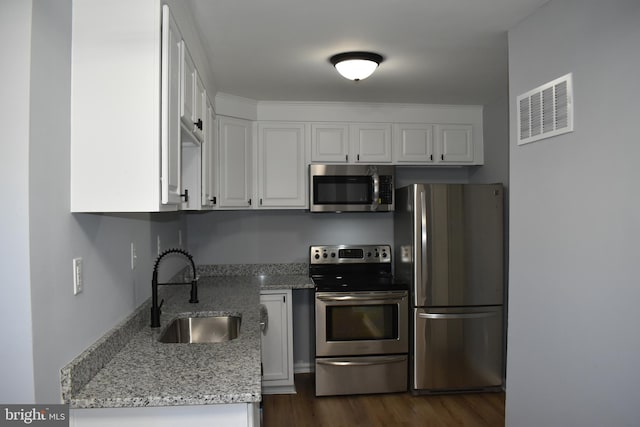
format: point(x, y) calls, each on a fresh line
point(356, 65)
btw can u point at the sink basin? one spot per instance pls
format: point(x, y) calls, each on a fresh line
point(208, 329)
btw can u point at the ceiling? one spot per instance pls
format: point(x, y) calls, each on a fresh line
point(436, 51)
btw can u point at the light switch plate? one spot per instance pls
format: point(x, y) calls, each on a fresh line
point(134, 256)
point(78, 280)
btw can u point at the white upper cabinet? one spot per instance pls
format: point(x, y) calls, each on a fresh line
point(210, 160)
point(413, 143)
point(132, 147)
point(200, 109)
point(125, 126)
point(350, 143)
point(418, 143)
point(329, 142)
point(282, 181)
point(235, 162)
point(188, 83)
point(193, 107)
point(170, 106)
point(370, 143)
point(455, 143)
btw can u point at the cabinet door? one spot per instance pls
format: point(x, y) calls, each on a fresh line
point(329, 142)
point(170, 110)
point(371, 143)
point(455, 143)
point(209, 191)
point(199, 109)
point(188, 88)
point(276, 340)
point(235, 163)
point(413, 143)
point(281, 165)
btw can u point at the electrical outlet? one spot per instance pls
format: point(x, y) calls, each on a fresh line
point(78, 280)
point(134, 256)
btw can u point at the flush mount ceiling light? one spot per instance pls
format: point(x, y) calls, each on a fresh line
point(356, 65)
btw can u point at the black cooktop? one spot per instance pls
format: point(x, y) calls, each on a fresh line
point(357, 283)
point(352, 268)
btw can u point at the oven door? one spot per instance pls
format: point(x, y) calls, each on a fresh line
point(361, 323)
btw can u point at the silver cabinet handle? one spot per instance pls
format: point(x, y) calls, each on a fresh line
point(452, 316)
point(377, 361)
point(264, 322)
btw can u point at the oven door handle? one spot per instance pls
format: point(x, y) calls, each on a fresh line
point(393, 297)
point(376, 361)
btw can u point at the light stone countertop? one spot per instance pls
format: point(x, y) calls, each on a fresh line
point(128, 367)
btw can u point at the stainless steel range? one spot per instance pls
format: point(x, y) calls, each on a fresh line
point(361, 321)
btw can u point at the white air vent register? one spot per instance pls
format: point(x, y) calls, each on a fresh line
point(546, 111)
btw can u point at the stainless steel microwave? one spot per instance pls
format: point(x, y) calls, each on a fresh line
point(351, 188)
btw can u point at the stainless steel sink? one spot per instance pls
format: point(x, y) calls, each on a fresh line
point(210, 329)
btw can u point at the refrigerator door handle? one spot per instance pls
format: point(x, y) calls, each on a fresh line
point(420, 255)
point(451, 316)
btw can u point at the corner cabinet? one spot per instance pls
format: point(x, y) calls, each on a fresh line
point(282, 172)
point(277, 342)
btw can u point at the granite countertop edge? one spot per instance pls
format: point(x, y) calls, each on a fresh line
point(111, 373)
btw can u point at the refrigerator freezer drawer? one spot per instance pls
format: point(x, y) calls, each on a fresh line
point(457, 349)
point(361, 375)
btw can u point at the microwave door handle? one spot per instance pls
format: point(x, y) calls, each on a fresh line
point(375, 202)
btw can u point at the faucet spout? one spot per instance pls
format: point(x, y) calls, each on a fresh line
point(155, 307)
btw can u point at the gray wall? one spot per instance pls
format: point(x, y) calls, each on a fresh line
point(574, 345)
point(43, 237)
point(16, 359)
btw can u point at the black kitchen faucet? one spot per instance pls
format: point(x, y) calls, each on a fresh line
point(155, 308)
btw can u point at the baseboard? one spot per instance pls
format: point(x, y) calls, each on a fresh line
point(304, 367)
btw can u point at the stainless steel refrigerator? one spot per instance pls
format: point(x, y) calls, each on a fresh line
point(448, 243)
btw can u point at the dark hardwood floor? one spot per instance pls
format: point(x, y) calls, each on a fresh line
point(397, 409)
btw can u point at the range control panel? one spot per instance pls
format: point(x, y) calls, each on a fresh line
point(350, 254)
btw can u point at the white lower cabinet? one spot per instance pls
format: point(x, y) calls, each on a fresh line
point(228, 415)
point(277, 342)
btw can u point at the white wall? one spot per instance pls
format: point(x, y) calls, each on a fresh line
point(16, 353)
point(40, 236)
point(574, 345)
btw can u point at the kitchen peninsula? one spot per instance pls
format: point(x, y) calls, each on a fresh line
point(129, 376)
